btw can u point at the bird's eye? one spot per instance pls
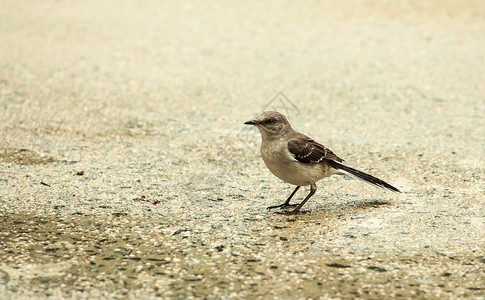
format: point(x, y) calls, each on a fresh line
point(269, 121)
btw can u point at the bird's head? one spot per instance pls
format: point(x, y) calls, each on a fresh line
point(271, 124)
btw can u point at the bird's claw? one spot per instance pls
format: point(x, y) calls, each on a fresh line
point(283, 206)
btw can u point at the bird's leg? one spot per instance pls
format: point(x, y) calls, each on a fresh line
point(313, 189)
point(287, 202)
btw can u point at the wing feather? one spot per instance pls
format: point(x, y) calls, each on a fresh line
point(308, 151)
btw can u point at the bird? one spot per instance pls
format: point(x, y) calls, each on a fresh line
point(300, 160)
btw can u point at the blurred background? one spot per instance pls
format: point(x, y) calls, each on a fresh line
point(86, 66)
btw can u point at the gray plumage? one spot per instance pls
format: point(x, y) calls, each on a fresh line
point(299, 160)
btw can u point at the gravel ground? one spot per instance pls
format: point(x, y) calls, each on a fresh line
point(126, 172)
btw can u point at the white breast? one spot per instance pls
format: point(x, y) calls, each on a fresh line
point(283, 165)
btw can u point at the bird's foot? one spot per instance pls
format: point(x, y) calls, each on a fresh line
point(283, 206)
point(290, 212)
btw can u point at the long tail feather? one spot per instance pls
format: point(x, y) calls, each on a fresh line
point(364, 177)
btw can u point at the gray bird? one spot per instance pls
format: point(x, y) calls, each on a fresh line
point(299, 160)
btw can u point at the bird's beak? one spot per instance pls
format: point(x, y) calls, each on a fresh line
point(252, 122)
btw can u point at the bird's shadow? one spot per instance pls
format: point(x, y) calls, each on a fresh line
point(368, 204)
point(339, 209)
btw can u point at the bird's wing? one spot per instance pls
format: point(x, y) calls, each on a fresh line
point(306, 150)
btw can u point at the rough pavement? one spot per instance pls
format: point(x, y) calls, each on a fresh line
point(126, 172)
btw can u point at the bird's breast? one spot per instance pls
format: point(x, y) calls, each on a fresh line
point(283, 165)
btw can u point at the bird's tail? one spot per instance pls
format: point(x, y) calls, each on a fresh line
point(363, 176)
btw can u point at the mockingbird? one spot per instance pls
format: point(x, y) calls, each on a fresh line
point(297, 159)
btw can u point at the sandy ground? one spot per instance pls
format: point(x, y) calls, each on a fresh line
point(126, 172)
